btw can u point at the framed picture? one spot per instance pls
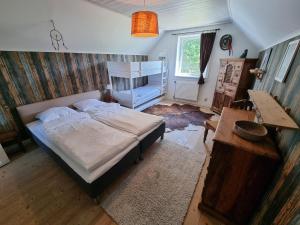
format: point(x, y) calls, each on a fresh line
point(265, 60)
point(287, 60)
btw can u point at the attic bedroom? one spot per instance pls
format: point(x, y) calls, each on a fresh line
point(144, 112)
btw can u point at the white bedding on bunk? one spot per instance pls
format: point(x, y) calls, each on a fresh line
point(37, 129)
point(140, 95)
point(122, 118)
point(86, 141)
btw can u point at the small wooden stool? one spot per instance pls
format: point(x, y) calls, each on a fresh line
point(209, 125)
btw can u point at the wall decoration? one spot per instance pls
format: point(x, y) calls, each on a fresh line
point(226, 43)
point(287, 60)
point(56, 38)
point(265, 60)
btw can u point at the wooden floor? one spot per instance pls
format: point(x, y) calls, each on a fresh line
point(34, 190)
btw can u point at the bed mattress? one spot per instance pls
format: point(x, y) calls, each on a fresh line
point(37, 129)
point(125, 119)
point(140, 95)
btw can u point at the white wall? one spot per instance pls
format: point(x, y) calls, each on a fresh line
point(267, 22)
point(167, 47)
point(86, 27)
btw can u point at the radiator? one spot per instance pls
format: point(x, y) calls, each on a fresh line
point(186, 90)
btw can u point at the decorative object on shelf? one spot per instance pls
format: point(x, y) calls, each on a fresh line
point(250, 130)
point(56, 38)
point(244, 54)
point(287, 60)
point(226, 43)
point(259, 72)
point(144, 23)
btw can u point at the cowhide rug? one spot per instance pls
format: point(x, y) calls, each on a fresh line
point(178, 116)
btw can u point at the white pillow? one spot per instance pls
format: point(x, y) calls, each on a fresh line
point(85, 105)
point(55, 113)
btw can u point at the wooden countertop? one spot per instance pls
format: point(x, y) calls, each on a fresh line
point(265, 104)
point(224, 133)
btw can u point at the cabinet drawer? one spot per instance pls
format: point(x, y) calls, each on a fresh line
point(236, 77)
point(230, 90)
point(238, 65)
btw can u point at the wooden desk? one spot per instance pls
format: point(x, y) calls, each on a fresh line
point(238, 173)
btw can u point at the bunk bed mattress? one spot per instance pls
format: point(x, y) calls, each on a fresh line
point(37, 130)
point(140, 94)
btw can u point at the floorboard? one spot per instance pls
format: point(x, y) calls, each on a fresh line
point(35, 191)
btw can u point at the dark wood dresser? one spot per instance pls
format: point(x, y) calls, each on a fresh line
point(233, 81)
point(239, 171)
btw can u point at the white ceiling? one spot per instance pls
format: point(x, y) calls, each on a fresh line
point(174, 14)
point(104, 25)
point(267, 22)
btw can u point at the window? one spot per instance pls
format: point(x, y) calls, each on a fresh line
point(188, 56)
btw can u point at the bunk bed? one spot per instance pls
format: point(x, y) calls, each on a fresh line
point(142, 97)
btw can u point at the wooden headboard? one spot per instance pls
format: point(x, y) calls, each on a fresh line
point(28, 112)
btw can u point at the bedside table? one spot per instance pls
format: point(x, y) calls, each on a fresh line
point(11, 136)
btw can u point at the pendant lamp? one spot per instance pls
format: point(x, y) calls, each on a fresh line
point(144, 24)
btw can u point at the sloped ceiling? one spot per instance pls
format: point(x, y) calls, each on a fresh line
point(86, 27)
point(174, 14)
point(267, 22)
point(104, 25)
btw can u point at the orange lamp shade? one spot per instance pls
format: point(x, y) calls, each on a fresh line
point(144, 24)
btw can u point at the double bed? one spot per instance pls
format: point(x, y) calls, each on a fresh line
point(92, 169)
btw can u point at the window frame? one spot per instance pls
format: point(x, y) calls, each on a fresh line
point(179, 56)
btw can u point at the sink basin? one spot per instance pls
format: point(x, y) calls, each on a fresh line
point(249, 130)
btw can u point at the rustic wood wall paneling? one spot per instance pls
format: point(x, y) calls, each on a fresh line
point(27, 77)
point(281, 205)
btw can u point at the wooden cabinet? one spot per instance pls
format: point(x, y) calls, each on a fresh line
point(238, 173)
point(233, 81)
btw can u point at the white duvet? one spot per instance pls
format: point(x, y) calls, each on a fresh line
point(86, 141)
point(122, 118)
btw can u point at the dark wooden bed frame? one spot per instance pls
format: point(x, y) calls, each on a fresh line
point(97, 186)
point(147, 141)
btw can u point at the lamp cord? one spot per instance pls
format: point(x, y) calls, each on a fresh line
point(144, 4)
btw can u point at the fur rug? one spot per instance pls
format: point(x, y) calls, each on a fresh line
point(178, 116)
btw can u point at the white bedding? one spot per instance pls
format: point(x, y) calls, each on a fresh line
point(38, 131)
point(140, 95)
point(86, 141)
point(122, 118)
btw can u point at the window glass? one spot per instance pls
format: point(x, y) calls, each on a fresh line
point(188, 56)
